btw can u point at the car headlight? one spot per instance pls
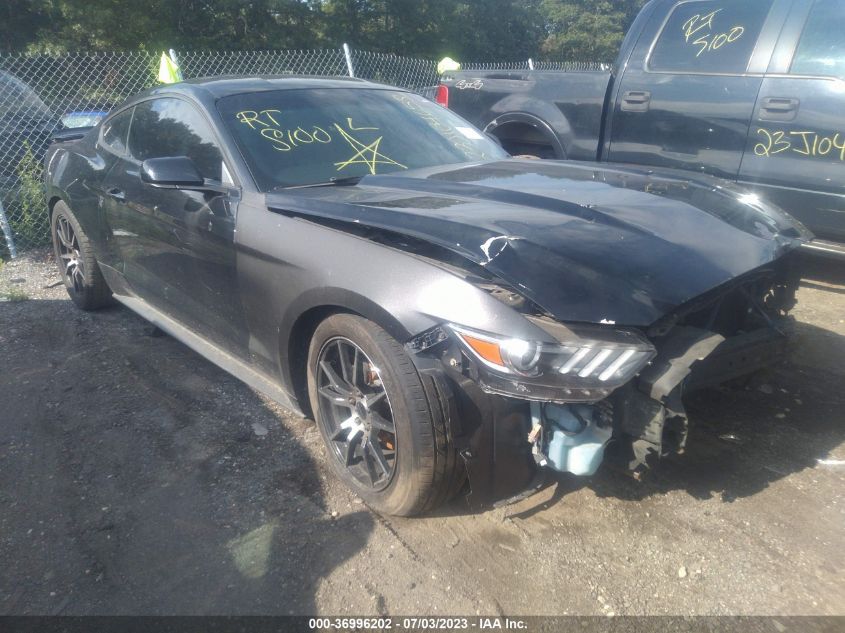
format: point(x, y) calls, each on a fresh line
point(586, 367)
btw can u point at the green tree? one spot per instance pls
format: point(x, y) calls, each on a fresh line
point(107, 25)
point(586, 30)
point(468, 30)
point(496, 30)
point(26, 208)
point(20, 22)
point(349, 20)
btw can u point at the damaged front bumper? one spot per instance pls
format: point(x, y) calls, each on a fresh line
point(508, 443)
point(650, 420)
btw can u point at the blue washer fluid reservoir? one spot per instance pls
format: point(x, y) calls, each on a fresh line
point(574, 443)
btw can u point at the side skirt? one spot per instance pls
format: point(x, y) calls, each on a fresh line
point(211, 352)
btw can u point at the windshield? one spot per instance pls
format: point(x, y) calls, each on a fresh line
point(311, 136)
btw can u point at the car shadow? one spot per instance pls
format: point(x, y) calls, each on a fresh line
point(827, 270)
point(138, 478)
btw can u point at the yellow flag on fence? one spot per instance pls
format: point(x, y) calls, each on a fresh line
point(168, 70)
point(446, 64)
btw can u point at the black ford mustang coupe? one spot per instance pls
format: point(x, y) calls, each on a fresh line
point(453, 318)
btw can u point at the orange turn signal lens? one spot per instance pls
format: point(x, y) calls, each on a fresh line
point(487, 350)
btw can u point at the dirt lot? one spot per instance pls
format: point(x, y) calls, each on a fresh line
point(137, 478)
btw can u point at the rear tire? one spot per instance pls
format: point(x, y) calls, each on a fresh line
point(75, 257)
point(423, 467)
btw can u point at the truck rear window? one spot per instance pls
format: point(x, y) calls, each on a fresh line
point(708, 36)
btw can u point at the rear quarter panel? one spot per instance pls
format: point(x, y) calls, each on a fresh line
point(73, 172)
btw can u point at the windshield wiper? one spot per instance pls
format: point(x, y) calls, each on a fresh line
point(332, 182)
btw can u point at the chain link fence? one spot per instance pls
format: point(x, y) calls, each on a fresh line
point(40, 94)
point(35, 93)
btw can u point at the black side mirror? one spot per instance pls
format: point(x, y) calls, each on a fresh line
point(176, 171)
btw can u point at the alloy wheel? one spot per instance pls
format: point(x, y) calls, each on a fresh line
point(356, 413)
point(72, 264)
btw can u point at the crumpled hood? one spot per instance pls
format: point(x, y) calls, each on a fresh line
point(585, 242)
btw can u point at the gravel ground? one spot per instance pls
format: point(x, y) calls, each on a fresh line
point(137, 478)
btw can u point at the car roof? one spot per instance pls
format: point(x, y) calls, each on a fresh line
point(218, 87)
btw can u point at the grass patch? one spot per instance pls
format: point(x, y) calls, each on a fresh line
point(13, 295)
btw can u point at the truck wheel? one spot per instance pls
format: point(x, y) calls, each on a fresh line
point(522, 140)
point(75, 256)
point(372, 412)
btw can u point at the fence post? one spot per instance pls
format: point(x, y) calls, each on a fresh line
point(530, 64)
point(348, 57)
point(7, 232)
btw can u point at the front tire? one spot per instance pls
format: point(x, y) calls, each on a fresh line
point(75, 257)
point(370, 406)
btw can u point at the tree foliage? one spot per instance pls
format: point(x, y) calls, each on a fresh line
point(586, 30)
point(20, 23)
point(469, 30)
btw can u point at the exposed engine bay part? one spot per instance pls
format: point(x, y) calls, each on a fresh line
point(748, 302)
point(674, 361)
point(739, 356)
point(572, 437)
point(644, 430)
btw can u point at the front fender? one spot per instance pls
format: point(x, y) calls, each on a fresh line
point(304, 313)
point(288, 266)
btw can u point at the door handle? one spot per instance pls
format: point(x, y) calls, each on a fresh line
point(779, 109)
point(635, 100)
point(117, 194)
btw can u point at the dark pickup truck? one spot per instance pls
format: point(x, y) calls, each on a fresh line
point(748, 90)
